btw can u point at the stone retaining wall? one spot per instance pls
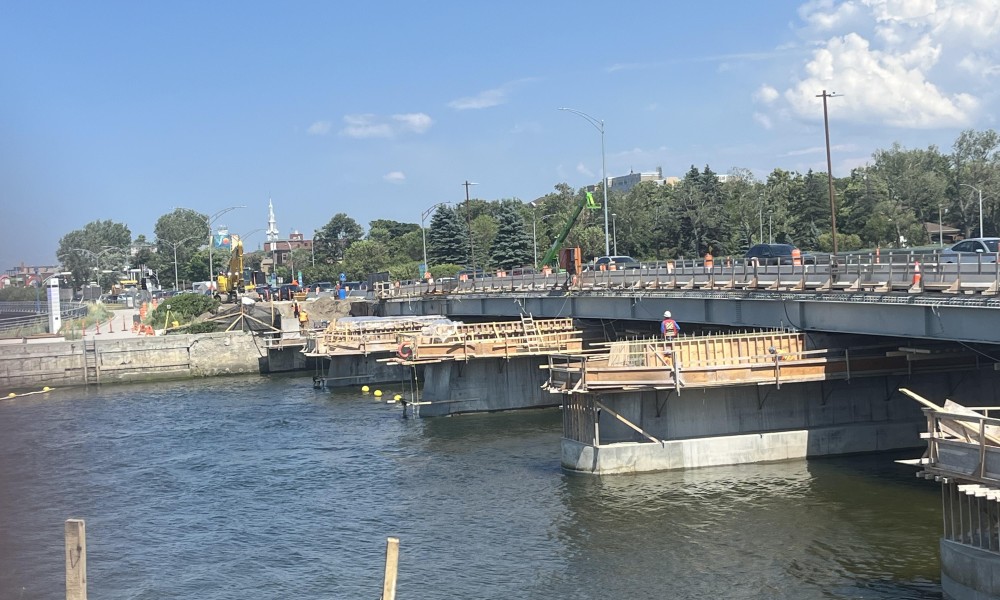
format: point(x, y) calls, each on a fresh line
point(70, 363)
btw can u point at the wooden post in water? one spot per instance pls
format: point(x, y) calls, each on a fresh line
point(391, 564)
point(76, 559)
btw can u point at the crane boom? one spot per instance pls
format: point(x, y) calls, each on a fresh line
point(586, 202)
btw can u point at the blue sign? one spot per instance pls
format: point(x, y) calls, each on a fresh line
point(343, 277)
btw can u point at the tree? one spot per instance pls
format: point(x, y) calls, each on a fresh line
point(446, 238)
point(512, 245)
point(183, 231)
point(365, 257)
point(333, 239)
point(99, 246)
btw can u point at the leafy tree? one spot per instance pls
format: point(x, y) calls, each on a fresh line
point(365, 257)
point(333, 239)
point(99, 246)
point(484, 232)
point(446, 238)
point(511, 245)
point(178, 234)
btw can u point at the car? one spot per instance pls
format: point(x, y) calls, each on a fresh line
point(972, 250)
point(602, 263)
point(776, 254)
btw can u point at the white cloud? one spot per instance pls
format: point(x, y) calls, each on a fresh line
point(319, 128)
point(395, 177)
point(489, 98)
point(766, 94)
point(583, 170)
point(901, 63)
point(763, 120)
point(484, 99)
point(365, 126)
point(415, 122)
point(879, 87)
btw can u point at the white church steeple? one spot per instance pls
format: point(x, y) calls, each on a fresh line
point(272, 225)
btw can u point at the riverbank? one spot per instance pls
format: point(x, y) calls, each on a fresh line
point(128, 358)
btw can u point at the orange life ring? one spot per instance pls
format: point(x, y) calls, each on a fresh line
point(405, 351)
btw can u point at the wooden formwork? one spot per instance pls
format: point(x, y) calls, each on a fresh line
point(365, 337)
point(497, 339)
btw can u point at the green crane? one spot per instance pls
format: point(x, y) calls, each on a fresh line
point(586, 202)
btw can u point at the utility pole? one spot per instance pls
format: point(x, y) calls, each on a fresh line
point(468, 220)
point(829, 168)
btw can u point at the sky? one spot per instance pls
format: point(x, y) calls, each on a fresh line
point(380, 110)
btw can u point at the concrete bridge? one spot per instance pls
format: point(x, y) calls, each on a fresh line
point(939, 301)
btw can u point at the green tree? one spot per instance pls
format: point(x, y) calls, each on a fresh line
point(99, 246)
point(365, 257)
point(333, 239)
point(179, 234)
point(511, 245)
point(446, 238)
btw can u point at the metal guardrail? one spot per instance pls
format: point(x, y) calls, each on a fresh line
point(15, 325)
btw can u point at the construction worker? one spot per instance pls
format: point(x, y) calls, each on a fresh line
point(669, 327)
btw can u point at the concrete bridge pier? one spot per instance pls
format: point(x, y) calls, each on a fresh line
point(655, 431)
point(356, 369)
point(485, 385)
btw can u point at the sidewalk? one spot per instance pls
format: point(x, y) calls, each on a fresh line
point(118, 327)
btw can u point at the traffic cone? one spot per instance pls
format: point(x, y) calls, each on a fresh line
point(111, 325)
point(98, 332)
point(916, 274)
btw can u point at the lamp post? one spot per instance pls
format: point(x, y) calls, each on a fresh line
point(423, 234)
point(38, 288)
point(614, 231)
point(97, 259)
point(599, 125)
point(175, 244)
point(468, 219)
point(981, 232)
point(829, 169)
point(534, 234)
point(211, 236)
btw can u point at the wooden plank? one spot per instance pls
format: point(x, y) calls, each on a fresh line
point(391, 566)
point(76, 559)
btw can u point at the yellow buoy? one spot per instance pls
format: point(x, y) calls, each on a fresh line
point(46, 389)
point(364, 389)
point(378, 393)
point(11, 395)
point(397, 397)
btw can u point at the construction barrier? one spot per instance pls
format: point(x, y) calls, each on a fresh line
point(709, 262)
point(796, 257)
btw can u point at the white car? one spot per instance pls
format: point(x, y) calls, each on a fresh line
point(972, 250)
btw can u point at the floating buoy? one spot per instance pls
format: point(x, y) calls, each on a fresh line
point(378, 393)
point(364, 389)
point(46, 389)
point(397, 397)
point(11, 395)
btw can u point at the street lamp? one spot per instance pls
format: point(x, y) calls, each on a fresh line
point(423, 234)
point(211, 236)
point(97, 259)
point(534, 234)
point(175, 244)
point(981, 232)
point(614, 231)
point(599, 125)
point(829, 169)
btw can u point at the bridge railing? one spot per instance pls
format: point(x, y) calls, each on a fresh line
point(38, 323)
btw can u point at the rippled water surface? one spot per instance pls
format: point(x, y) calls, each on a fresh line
point(265, 488)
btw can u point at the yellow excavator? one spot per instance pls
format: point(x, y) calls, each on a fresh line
point(230, 285)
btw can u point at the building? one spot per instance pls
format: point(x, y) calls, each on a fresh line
point(624, 183)
point(24, 275)
point(281, 250)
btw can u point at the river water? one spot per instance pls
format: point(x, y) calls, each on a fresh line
point(262, 487)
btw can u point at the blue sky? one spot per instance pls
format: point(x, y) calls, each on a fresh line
point(124, 110)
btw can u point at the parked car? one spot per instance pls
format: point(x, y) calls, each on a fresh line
point(620, 262)
point(972, 250)
point(776, 254)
